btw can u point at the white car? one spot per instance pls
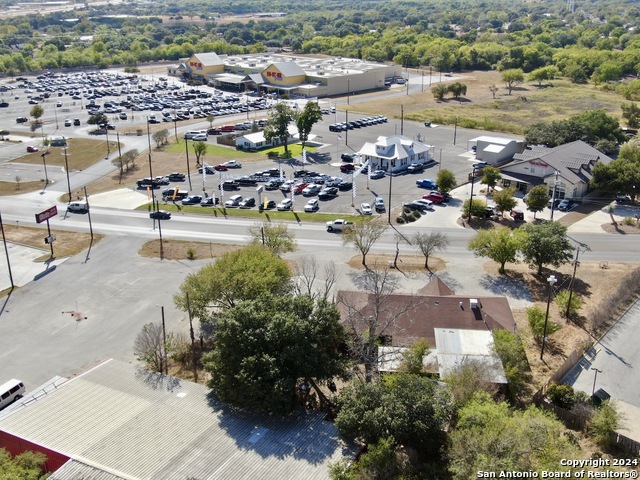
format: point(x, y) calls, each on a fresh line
point(379, 204)
point(285, 204)
point(365, 209)
point(200, 138)
point(312, 206)
point(428, 204)
point(311, 190)
point(232, 164)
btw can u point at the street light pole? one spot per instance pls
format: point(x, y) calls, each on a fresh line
point(44, 162)
point(164, 340)
point(66, 167)
point(390, 185)
point(552, 281)
point(6, 252)
point(553, 194)
point(473, 178)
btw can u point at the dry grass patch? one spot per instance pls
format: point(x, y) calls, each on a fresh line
point(405, 264)
point(67, 244)
point(185, 250)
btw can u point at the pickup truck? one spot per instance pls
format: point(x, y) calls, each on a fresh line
point(174, 194)
point(338, 225)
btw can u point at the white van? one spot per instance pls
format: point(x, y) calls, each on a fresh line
point(10, 391)
point(194, 133)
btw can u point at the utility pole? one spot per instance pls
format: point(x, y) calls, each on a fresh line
point(6, 252)
point(149, 143)
point(86, 199)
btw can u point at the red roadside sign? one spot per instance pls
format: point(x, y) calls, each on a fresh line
point(45, 215)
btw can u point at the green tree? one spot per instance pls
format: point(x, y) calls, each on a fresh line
point(631, 113)
point(490, 436)
point(305, 120)
point(210, 119)
point(562, 300)
point(241, 275)
point(546, 244)
point(543, 74)
point(603, 424)
point(413, 357)
point(465, 379)
point(98, 119)
point(493, 89)
point(409, 408)
point(512, 77)
point(36, 112)
point(266, 345)
point(561, 395)
point(160, 137)
point(430, 243)
point(536, 319)
point(277, 126)
point(200, 150)
point(380, 461)
point(504, 199)
point(478, 208)
point(490, 177)
point(439, 91)
point(537, 199)
point(274, 236)
point(500, 245)
point(508, 346)
point(457, 89)
point(446, 181)
point(26, 466)
point(363, 236)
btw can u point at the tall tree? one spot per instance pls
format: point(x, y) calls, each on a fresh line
point(409, 408)
point(490, 436)
point(365, 324)
point(36, 112)
point(490, 177)
point(446, 181)
point(363, 235)
point(200, 150)
point(240, 275)
point(305, 120)
point(430, 243)
point(545, 244)
point(278, 125)
point(160, 137)
point(26, 466)
point(512, 77)
point(308, 271)
point(500, 245)
point(265, 346)
point(537, 199)
point(504, 199)
point(274, 236)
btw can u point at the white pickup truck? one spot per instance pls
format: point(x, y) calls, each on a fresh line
point(338, 225)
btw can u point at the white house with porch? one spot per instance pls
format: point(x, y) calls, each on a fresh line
point(394, 154)
point(256, 141)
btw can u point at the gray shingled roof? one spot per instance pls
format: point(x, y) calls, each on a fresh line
point(142, 425)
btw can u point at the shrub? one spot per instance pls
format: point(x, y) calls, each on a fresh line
point(400, 220)
point(536, 318)
point(629, 221)
point(416, 215)
point(561, 395)
point(603, 423)
point(191, 253)
point(562, 299)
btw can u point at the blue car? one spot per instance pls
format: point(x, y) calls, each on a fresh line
point(427, 183)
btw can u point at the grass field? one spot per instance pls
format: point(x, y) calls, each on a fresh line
point(229, 153)
point(81, 153)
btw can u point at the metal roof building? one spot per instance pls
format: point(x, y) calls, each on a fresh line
point(120, 422)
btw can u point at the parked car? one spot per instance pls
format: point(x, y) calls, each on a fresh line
point(160, 215)
point(286, 186)
point(76, 122)
point(377, 174)
point(427, 183)
point(555, 202)
point(566, 205)
point(285, 204)
point(67, 123)
point(25, 120)
point(328, 193)
point(234, 201)
point(210, 202)
point(230, 185)
point(365, 209)
point(269, 204)
point(434, 197)
point(249, 202)
point(82, 207)
point(348, 157)
point(209, 170)
point(232, 164)
point(192, 200)
point(347, 167)
point(147, 182)
point(379, 204)
point(310, 190)
point(246, 180)
point(32, 149)
point(415, 205)
point(415, 168)
point(312, 206)
point(176, 177)
point(517, 215)
point(273, 184)
point(200, 138)
point(299, 187)
point(428, 204)
point(480, 165)
point(221, 168)
point(344, 186)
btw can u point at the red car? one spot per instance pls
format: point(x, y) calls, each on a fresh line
point(221, 168)
point(434, 197)
point(347, 167)
point(32, 149)
point(298, 187)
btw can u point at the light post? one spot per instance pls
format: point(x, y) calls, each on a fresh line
point(348, 91)
point(164, 340)
point(390, 185)
point(552, 281)
point(473, 178)
point(55, 113)
point(576, 264)
point(595, 377)
point(66, 167)
point(44, 162)
point(553, 195)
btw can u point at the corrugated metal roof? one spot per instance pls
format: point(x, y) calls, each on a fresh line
point(142, 425)
point(74, 470)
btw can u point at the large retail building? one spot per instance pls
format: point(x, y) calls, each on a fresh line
point(295, 76)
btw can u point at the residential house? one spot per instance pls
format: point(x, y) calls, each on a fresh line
point(394, 154)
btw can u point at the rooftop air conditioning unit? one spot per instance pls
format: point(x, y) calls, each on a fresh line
point(474, 303)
